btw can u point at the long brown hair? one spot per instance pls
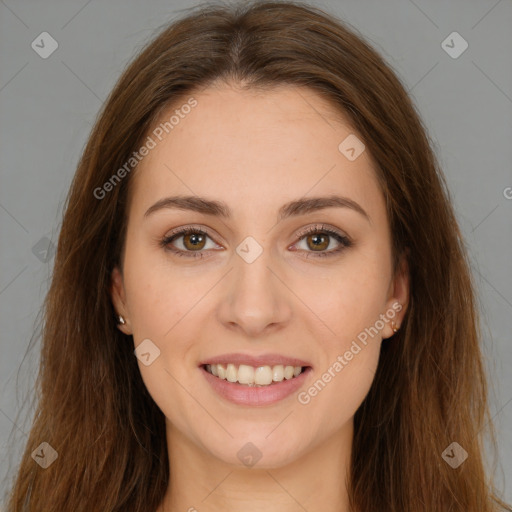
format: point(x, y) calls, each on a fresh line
point(429, 390)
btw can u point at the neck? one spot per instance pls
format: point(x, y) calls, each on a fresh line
point(201, 482)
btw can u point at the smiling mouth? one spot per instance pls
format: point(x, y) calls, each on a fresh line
point(254, 376)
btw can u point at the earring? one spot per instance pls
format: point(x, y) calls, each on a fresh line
point(394, 327)
point(122, 321)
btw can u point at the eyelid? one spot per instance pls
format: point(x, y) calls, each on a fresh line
point(191, 227)
point(321, 227)
point(344, 240)
point(298, 234)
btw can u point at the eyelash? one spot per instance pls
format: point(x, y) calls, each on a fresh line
point(318, 229)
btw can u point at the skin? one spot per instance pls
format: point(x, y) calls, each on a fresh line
point(256, 150)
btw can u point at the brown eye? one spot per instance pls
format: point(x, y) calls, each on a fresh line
point(189, 242)
point(194, 241)
point(316, 241)
point(319, 242)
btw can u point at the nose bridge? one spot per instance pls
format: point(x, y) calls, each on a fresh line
point(256, 297)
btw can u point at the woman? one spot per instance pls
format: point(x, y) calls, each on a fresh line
point(261, 296)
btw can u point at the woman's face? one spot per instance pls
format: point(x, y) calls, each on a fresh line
point(281, 276)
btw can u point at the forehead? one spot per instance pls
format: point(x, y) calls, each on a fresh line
point(253, 149)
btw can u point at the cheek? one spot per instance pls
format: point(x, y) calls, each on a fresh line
point(158, 297)
point(336, 395)
point(163, 308)
point(154, 308)
point(350, 300)
point(350, 305)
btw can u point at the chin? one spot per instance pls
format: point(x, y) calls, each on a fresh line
point(258, 452)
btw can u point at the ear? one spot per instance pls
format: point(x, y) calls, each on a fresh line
point(398, 299)
point(118, 297)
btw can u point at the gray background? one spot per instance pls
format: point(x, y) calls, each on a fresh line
point(48, 105)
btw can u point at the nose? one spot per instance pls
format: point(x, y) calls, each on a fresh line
point(255, 298)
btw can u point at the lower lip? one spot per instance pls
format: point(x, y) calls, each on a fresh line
point(241, 394)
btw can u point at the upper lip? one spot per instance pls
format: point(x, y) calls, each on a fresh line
point(255, 360)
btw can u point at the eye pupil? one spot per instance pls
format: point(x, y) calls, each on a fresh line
point(195, 239)
point(319, 241)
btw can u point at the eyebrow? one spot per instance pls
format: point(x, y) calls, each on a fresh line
point(297, 207)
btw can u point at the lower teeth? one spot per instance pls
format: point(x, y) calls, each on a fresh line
point(258, 385)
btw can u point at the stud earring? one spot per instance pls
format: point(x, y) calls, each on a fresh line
point(122, 321)
point(394, 327)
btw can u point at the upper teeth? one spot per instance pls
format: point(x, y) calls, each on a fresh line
point(260, 376)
